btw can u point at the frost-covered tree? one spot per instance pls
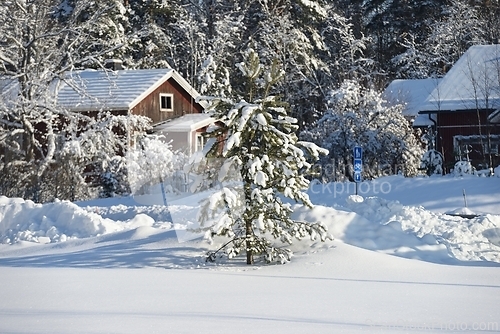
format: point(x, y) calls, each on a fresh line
point(450, 37)
point(151, 27)
point(359, 116)
point(90, 160)
point(40, 40)
point(165, 33)
point(289, 31)
point(387, 23)
point(415, 62)
point(347, 49)
point(224, 38)
point(256, 140)
point(433, 52)
point(106, 25)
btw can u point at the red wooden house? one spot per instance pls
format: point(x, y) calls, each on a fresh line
point(163, 95)
point(461, 105)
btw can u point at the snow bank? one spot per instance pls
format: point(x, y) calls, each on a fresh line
point(22, 220)
point(412, 232)
point(437, 193)
point(381, 224)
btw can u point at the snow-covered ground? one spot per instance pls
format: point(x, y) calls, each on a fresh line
point(398, 264)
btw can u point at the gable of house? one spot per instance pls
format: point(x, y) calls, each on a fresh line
point(169, 100)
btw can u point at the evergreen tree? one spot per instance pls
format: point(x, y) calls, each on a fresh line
point(224, 38)
point(460, 28)
point(105, 24)
point(461, 24)
point(347, 50)
point(260, 144)
point(290, 31)
point(388, 22)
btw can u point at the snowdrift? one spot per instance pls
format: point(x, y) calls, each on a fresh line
point(22, 220)
point(372, 223)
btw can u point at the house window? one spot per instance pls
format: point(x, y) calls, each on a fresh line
point(166, 102)
point(491, 148)
point(464, 145)
point(200, 142)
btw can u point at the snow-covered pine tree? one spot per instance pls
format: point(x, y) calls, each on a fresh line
point(292, 31)
point(432, 162)
point(257, 140)
point(105, 23)
point(224, 29)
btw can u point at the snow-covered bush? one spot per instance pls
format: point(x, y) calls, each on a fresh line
point(463, 168)
point(358, 116)
point(151, 162)
point(432, 162)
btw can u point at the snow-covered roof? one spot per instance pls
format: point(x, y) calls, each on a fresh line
point(185, 123)
point(473, 82)
point(114, 90)
point(410, 93)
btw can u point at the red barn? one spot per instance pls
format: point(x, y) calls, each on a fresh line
point(461, 106)
point(160, 94)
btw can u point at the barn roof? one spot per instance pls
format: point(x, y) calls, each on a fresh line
point(472, 83)
point(114, 90)
point(411, 93)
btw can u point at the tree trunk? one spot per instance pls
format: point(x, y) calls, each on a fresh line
point(249, 237)
point(248, 225)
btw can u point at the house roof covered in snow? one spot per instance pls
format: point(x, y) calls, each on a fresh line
point(105, 89)
point(411, 93)
point(185, 123)
point(114, 90)
point(472, 83)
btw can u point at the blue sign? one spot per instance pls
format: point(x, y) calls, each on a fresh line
point(358, 165)
point(357, 177)
point(358, 152)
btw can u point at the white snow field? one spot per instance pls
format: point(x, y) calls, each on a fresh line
point(398, 264)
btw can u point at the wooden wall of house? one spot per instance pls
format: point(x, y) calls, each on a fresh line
point(183, 103)
point(463, 123)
